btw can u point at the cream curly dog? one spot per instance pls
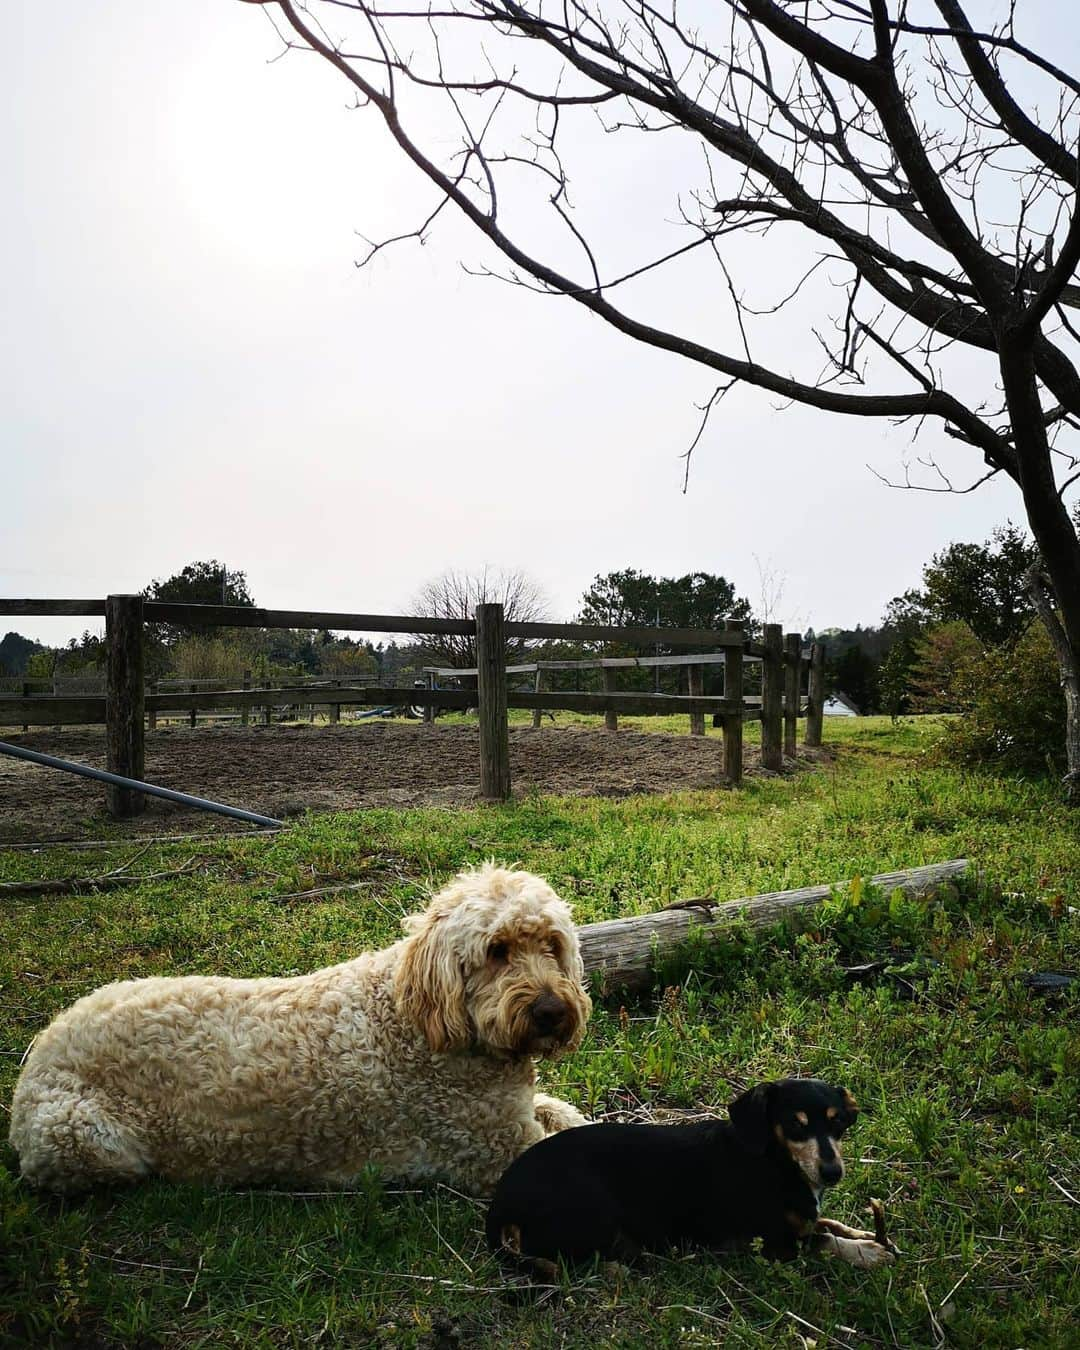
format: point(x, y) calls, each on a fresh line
point(418, 1058)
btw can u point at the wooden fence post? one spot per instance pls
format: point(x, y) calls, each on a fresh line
point(193, 716)
point(539, 684)
point(491, 696)
point(772, 698)
point(267, 711)
point(335, 708)
point(815, 712)
point(611, 717)
point(124, 701)
point(792, 686)
point(733, 721)
point(26, 694)
point(695, 687)
point(151, 716)
point(245, 711)
point(429, 708)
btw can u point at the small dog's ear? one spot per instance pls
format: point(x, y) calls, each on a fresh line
point(429, 989)
point(851, 1107)
point(750, 1118)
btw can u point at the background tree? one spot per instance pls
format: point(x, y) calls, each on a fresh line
point(629, 598)
point(855, 673)
point(199, 583)
point(933, 166)
point(15, 652)
point(941, 661)
point(202, 583)
point(455, 595)
point(632, 599)
point(981, 585)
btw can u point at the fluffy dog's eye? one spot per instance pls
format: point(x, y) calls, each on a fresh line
point(498, 951)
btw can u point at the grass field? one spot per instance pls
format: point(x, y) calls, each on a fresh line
point(968, 1078)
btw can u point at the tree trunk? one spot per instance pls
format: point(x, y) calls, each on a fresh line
point(1070, 679)
point(624, 952)
point(1056, 537)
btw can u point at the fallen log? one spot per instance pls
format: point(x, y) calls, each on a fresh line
point(624, 951)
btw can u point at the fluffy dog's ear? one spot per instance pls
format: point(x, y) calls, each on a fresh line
point(750, 1118)
point(429, 989)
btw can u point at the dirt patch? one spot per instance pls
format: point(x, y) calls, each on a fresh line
point(284, 770)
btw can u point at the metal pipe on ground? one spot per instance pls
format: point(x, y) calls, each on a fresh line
point(117, 780)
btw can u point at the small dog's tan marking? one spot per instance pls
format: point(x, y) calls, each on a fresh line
point(843, 1230)
point(801, 1225)
point(804, 1119)
point(849, 1101)
point(865, 1253)
point(546, 1271)
point(510, 1237)
point(808, 1157)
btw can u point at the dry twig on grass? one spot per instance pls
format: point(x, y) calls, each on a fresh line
point(105, 881)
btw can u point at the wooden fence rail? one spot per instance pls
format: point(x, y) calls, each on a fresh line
point(127, 701)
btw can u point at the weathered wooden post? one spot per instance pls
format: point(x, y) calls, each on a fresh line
point(194, 715)
point(151, 716)
point(26, 694)
point(429, 708)
point(611, 717)
point(124, 701)
point(245, 711)
point(267, 711)
point(792, 685)
point(335, 708)
point(772, 698)
point(733, 689)
point(540, 683)
point(815, 712)
point(491, 696)
point(695, 687)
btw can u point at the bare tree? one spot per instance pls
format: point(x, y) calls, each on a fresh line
point(930, 166)
point(455, 595)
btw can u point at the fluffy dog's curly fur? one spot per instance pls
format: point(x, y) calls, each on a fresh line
point(418, 1058)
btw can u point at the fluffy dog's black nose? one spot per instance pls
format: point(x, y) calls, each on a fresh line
point(548, 1014)
point(830, 1173)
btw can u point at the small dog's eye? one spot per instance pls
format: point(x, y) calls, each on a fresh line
point(498, 951)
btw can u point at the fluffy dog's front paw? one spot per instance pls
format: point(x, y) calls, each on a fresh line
point(553, 1115)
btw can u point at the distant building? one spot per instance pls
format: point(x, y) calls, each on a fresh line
point(839, 705)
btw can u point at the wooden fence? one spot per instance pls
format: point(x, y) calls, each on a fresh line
point(126, 702)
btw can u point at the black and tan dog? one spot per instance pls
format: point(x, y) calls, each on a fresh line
point(610, 1190)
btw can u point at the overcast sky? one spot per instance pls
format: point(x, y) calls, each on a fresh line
point(193, 366)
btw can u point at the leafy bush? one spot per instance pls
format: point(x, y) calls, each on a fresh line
point(1014, 710)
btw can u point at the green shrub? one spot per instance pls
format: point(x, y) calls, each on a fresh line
point(1014, 710)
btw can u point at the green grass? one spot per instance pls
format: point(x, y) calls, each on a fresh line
point(969, 1080)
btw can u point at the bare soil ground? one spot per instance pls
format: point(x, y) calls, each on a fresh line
point(283, 770)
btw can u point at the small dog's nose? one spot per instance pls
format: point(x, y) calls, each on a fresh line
point(830, 1173)
point(548, 1014)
